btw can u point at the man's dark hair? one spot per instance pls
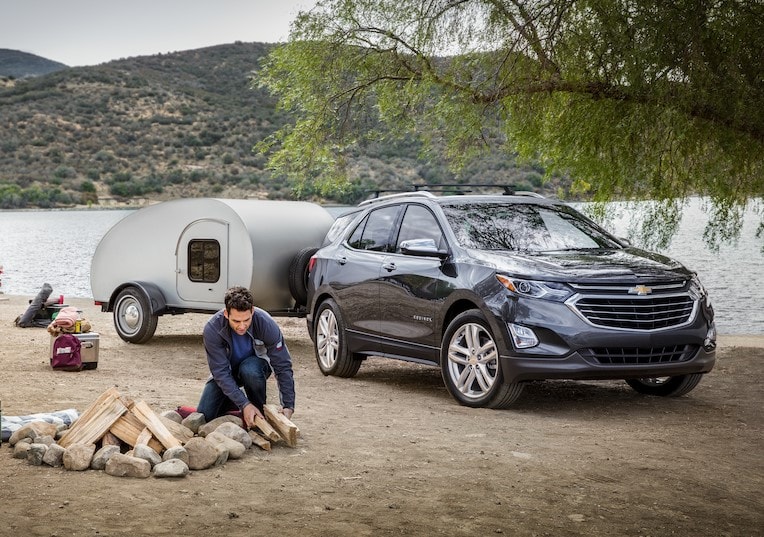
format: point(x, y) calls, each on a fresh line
point(238, 298)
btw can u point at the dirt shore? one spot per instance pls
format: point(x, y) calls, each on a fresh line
point(390, 453)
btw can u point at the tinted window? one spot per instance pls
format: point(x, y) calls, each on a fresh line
point(339, 226)
point(524, 227)
point(373, 233)
point(419, 223)
point(204, 260)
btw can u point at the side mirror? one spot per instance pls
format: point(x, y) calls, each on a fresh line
point(422, 248)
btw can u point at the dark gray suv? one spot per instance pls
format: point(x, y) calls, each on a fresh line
point(498, 290)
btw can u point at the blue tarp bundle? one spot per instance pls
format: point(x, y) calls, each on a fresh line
point(9, 424)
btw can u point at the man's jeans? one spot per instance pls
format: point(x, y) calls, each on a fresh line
point(252, 374)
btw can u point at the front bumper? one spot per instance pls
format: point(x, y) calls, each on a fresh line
point(571, 348)
point(580, 367)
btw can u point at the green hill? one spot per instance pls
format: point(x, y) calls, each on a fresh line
point(175, 125)
point(17, 64)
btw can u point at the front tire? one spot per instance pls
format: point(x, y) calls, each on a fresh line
point(330, 343)
point(132, 316)
point(470, 366)
point(665, 386)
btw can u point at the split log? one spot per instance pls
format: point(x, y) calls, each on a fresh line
point(266, 429)
point(259, 441)
point(128, 428)
point(95, 421)
point(179, 431)
point(144, 438)
point(282, 424)
point(110, 439)
point(155, 425)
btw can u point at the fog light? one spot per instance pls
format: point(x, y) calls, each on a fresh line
point(710, 342)
point(522, 336)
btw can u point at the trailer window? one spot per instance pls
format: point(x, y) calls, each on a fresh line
point(204, 260)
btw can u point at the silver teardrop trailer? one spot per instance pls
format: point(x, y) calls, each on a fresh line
point(180, 256)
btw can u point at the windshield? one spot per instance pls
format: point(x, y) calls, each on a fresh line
point(523, 227)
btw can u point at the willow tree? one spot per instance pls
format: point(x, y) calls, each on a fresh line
point(634, 99)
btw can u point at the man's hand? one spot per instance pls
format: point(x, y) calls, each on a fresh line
point(287, 412)
point(248, 414)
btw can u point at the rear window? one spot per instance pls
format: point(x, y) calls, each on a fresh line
point(339, 226)
point(524, 227)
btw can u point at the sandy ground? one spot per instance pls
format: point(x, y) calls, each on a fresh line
point(390, 453)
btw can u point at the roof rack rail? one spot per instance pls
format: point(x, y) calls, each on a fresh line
point(406, 194)
point(451, 188)
point(527, 193)
point(461, 188)
point(457, 188)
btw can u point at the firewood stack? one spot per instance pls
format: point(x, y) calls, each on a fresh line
point(124, 429)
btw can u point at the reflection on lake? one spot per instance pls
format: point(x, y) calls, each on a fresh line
point(57, 246)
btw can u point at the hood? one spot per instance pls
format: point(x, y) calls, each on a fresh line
point(586, 266)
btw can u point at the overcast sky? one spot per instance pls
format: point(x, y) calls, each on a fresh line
point(89, 32)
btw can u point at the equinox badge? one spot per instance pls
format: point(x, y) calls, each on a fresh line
point(641, 290)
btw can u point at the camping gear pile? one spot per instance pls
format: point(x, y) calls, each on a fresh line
point(73, 347)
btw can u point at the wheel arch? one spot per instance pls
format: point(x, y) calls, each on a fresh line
point(151, 291)
point(464, 304)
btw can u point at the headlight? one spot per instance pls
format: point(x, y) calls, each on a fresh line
point(547, 290)
point(698, 292)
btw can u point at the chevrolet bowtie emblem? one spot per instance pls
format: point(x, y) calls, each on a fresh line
point(640, 290)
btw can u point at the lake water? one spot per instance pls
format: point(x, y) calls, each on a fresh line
point(56, 247)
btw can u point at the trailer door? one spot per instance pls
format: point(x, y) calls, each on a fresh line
point(202, 261)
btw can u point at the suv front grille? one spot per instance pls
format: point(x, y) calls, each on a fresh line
point(640, 355)
point(636, 313)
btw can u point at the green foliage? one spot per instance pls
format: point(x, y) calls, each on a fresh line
point(632, 100)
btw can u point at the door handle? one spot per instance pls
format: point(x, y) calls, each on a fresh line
point(389, 267)
point(342, 260)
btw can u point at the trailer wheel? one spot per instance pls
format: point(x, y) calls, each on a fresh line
point(132, 316)
point(298, 275)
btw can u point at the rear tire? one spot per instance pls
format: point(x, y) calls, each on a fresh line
point(132, 316)
point(470, 365)
point(665, 386)
point(298, 275)
point(330, 343)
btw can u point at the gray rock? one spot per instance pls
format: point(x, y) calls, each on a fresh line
point(102, 456)
point(171, 468)
point(235, 449)
point(172, 415)
point(223, 454)
point(45, 439)
point(21, 448)
point(54, 456)
point(32, 430)
point(193, 421)
point(207, 428)
point(145, 452)
point(125, 466)
point(177, 452)
point(35, 454)
point(77, 457)
point(235, 432)
point(201, 454)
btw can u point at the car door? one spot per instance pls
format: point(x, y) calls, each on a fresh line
point(355, 275)
point(410, 287)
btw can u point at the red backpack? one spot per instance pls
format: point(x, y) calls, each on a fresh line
point(66, 353)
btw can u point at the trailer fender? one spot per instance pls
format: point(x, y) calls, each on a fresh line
point(137, 306)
